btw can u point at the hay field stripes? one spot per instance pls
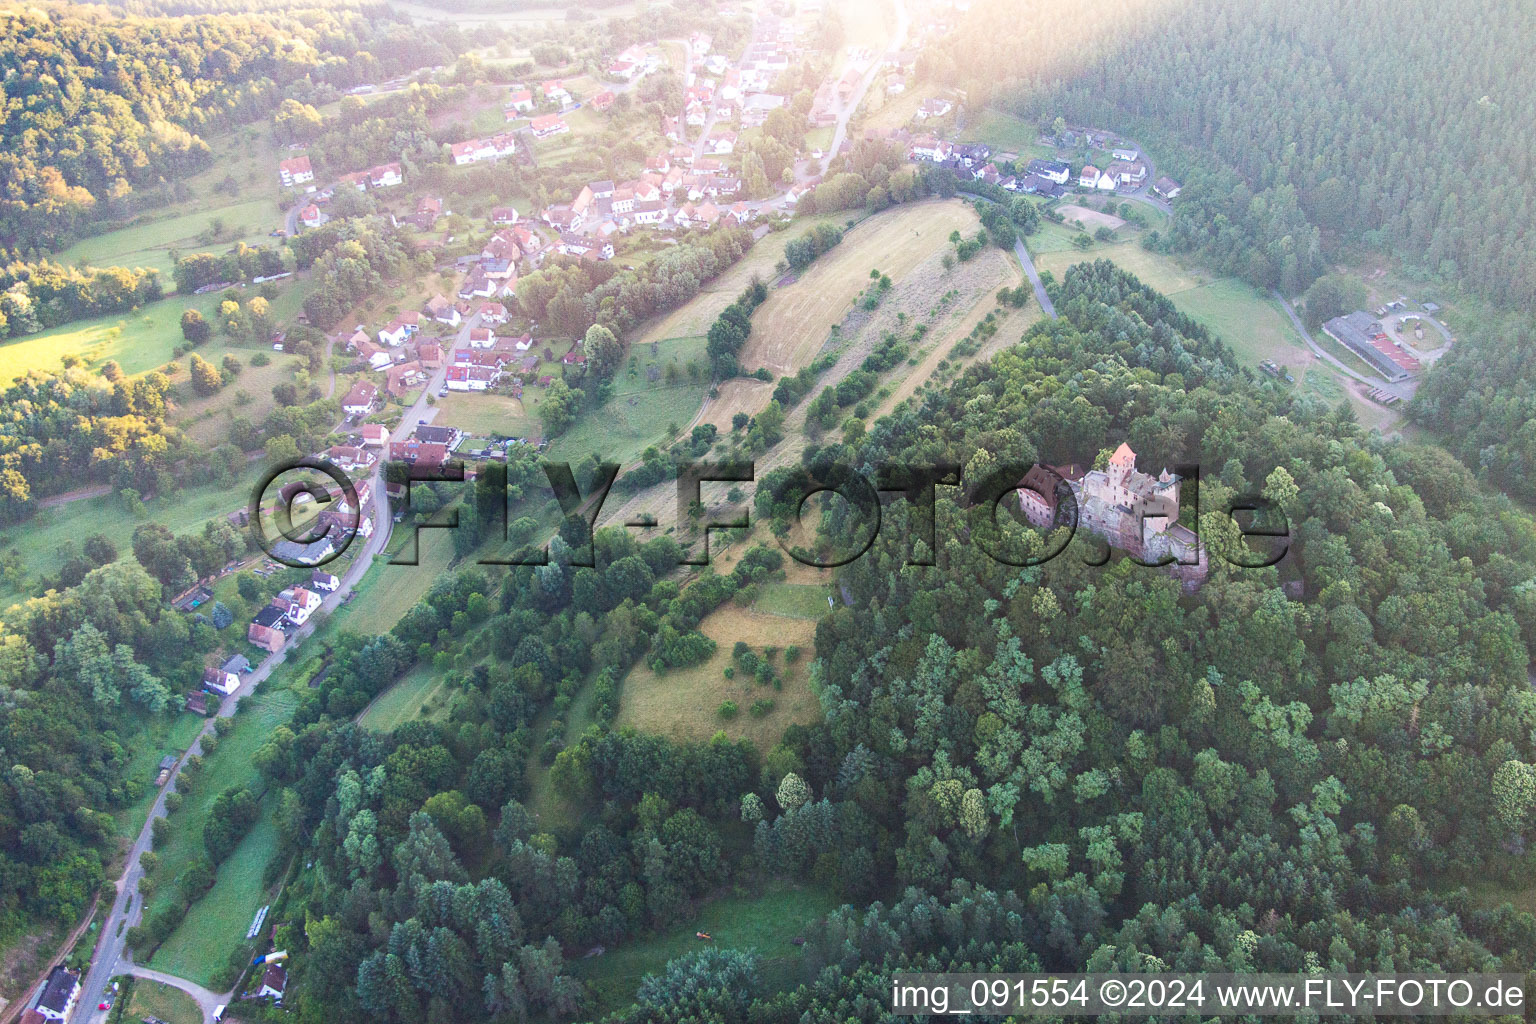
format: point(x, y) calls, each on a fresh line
point(792, 325)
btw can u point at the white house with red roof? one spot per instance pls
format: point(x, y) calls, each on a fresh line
point(521, 101)
point(555, 92)
point(296, 171)
point(385, 176)
point(548, 124)
point(311, 217)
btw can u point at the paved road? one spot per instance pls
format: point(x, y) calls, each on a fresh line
point(845, 114)
point(1034, 277)
point(1028, 264)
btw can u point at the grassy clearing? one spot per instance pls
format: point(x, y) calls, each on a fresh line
point(683, 703)
point(792, 325)
point(1003, 131)
point(217, 923)
point(140, 340)
point(160, 737)
point(152, 999)
point(150, 244)
point(739, 394)
point(1152, 268)
point(1248, 321)
point(764, 923)
point(486, 414)
point(627, 424)
point(416, 696)
point(692, 319)
point(793, 600)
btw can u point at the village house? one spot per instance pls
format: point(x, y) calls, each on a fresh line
point(216, 680)
point(374, 435)
point(403, 377)
point(60, 992)
point(721, 141)
point(492, 313)
point(385, 176)
point(521, 101)
point(602, 101)
point(927, 147)
point(429, 354)
point(359, 400)
point(311, 217)
point(1167, 188)
point(548, 124)
point(274, 980)
point(503, 216)
point(301, 604)
point(934, 108)
point(323, 581)
point(1050, 170)
point(1126, 155)
point(350, 456)
point(562, 218)
point(477, 285)
point(443, 311)
point(296, 171)
point(417, 454)
point(1089, 178)
point(555, 92)
point(266, 630)
point(473, 378)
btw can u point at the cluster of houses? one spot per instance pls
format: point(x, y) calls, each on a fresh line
point(298, 171)
point(553, 98)
point(1125, 172)
point(292, 608)
point(676, 190)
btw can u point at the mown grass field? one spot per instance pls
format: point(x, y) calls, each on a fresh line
point(1152, 268)
point(683, 703)
point(217, 922)
point(763, 923)
point(408, 700)
point(149, 244)
point(486, 414)
point(152, 999)
point(1005, 132)
point(792, 325)
point(692, 319)
point(138, 341)
point(386, 592)
point(793, 600)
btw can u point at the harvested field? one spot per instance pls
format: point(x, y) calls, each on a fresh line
point(793, 324)
point(683, 703)
point(1090, 218)
point(739, 394)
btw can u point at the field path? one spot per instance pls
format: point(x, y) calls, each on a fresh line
point(94, 491)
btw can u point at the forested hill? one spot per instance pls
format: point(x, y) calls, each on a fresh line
point(1404, 122)
point(1121, 777)
point(100, 107)
point(1059, 768)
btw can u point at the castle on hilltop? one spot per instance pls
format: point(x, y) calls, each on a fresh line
point(1134, 512)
